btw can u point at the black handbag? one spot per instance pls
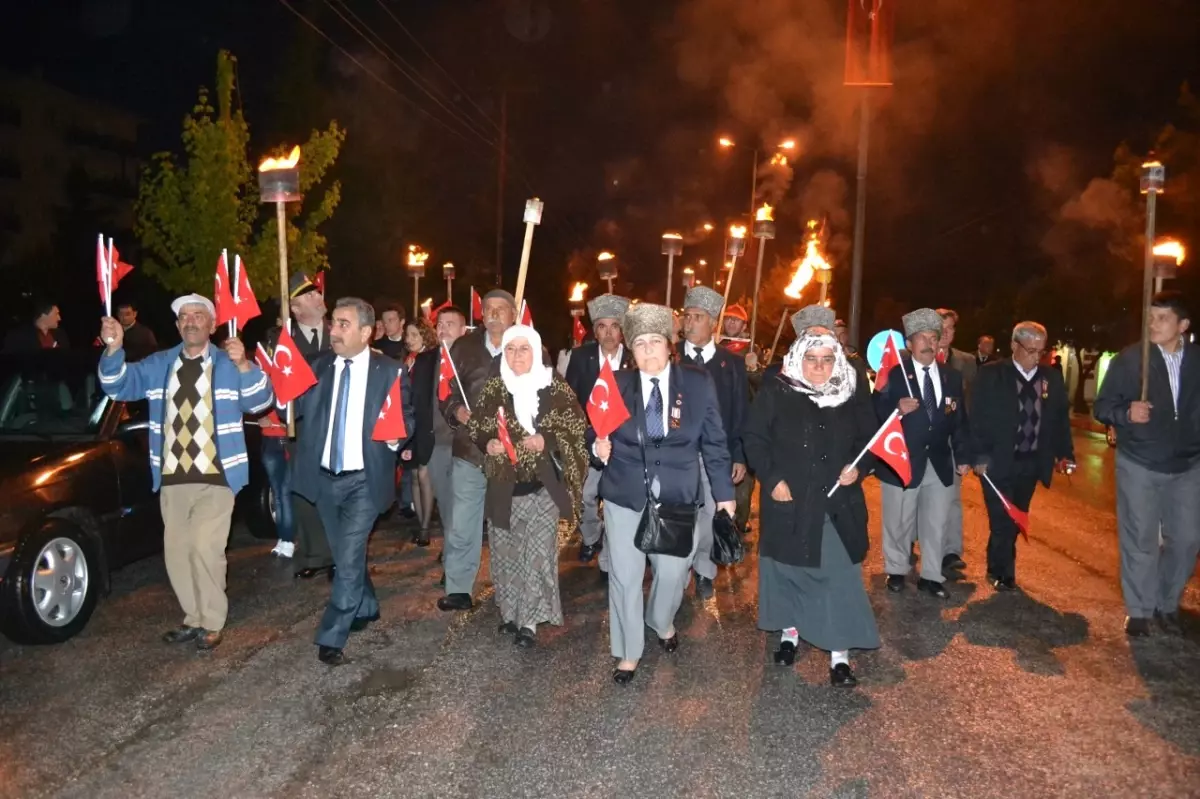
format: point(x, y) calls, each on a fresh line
point(728, 547)
point(665, 528)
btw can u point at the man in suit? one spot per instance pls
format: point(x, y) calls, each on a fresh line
point(964, 364)
point(392, 343)
point(985, 350)
point(1158, 466)
point(929, 397)
point(1020, 431)
point(606, 312)
point(310, 550)
point(702, 308)
point(340, 468)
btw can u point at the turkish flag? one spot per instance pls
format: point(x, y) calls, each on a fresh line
point(445, 373)
point(869, 28)
point(1019, 517)
point(578, 332)
point(390, 424)
point(476, 306)
point(292, 376)
point(318, 281)
point(526, 316)
point(246, 304)
point(223, 293)
point(605, 408)
point(111, 272)
point(891, 357)
point(505, 438)
point(275, 427)
point(889, 446)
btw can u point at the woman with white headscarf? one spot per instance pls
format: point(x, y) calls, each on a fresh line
point(526, 499)
point(804, 430)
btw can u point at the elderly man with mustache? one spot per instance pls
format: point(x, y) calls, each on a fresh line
point(197, 396)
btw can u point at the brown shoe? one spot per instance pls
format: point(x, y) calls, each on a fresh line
point(181, 634)
point(208, 640)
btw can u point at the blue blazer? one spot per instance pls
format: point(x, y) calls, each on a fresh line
point(941, 441)
point(698, 431)
point(316, 405)
point(728, 372)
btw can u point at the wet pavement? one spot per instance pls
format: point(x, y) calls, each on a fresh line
point(1035, 693)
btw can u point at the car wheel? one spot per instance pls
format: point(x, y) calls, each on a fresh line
point(52, 586)
point(260, 513)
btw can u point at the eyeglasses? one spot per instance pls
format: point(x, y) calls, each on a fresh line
point(1031, 350)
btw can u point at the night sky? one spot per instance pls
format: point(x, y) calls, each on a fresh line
point(1001, 112)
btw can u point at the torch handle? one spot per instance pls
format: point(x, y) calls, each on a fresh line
point(757, 285)
point(728, 286)
point(783, 315)
point(1147, 289)
point(284, 310)
point(525, 250)
point(670, 273)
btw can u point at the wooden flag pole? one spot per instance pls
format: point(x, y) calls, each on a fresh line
point(533, 218)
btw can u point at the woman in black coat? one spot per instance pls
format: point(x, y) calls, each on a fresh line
point(805, 429)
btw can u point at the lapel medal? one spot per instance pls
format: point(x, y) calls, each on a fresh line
point(676, 413)
point(1045, 389)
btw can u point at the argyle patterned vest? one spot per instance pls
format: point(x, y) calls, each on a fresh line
point(190, 445)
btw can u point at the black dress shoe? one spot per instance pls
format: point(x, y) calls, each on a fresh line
point(954, 562)
point(360, 624)
point(669, 645)
point(588, 551)
point(932, 588)
point(455, 602)
point(1136, 627)
point(330, 655)
point(623, 676)
point(840, 676)
point(526, 638)
point(704, 587)
point(441, 555)
point(785, 655)
point(308, 574)
point(1004, 584)
point(1169, 622)
point(508, 628)
point(895, 583)
point(182, 634)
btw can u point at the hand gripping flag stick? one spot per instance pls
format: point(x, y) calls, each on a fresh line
point(461, 391)
point(867, 448)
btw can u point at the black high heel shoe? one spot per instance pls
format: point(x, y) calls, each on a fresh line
point(785, 655)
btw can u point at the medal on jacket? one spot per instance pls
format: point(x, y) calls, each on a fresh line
point(1045, 389)
point(676, 414)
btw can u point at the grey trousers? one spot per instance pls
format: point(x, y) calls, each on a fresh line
point(441, 476)
point(702, 559)
point(463, 543)
point(954, 521)
point(920, 512)
point(590, 526)
point(628, 611)
point(1153, 578)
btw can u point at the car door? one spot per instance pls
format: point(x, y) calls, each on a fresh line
point(139, 526)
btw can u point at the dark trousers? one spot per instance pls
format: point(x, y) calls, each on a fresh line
point(1018, 485)
point(348, 514)
point(276, 461)
point(312, 546)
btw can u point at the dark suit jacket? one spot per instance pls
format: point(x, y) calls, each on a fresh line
point(139, 342)
point(584, 368)
point(733, 394)
point(424, 382)
point(942, 441)
point(302, 343)
point(994, 412)
point(316, 405)
point(674, 459)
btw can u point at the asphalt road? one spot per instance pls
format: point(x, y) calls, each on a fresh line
point(1037, 693)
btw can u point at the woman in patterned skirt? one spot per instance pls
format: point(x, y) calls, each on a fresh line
point(535, 468)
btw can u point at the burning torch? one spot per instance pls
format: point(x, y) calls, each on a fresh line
point(795, 287)
point(1153, 177)
point(672, 245)
point(415, 265)
point(533, 218)
point(689, 277)
point(607, 267)
point(576, 299)
point(735, 247)
point(448, 275)
point(764, 230)
point(1168, 257)
point(279, 183)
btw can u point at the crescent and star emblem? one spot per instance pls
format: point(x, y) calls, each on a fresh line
point(285, 370)
point(387, 404)
point(603, 404)
point(887, 445)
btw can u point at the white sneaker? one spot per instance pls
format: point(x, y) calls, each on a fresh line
point(284, 549)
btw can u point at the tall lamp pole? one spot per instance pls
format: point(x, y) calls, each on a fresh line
point(415, 265)
point(764, 230)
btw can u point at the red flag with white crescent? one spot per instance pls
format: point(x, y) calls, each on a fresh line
point(605, 408)
point(891, 448)
point(270, 423)
point(476, 306)
point(578, 332)
point(891, 357)
point(504, 436)
point(869, 29)
point(292, 376)
point(389, 426)
point(223, 293)
point(445, 373)
point(246, 305)
point(526, 316)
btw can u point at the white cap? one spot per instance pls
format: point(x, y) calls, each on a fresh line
point(193, 299)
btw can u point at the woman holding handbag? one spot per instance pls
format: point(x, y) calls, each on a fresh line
point(803, 432)
point(651, 483)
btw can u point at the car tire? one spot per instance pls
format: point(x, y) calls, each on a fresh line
point(260, 520)
point(52, 585)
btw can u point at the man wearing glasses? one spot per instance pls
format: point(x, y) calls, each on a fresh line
point(1021, 431)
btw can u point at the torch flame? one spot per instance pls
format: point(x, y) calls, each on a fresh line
point(708, 227)
point(605, 256)
point(687, 270)
point(806, 267)
point(290, 162)
point(577, 292)
point(765, 214)
point(779, 159)
point(737, 231)
point(1169, 248)
point(428, 303)
point(725, 141)
point(416, 256)
point(673, 236)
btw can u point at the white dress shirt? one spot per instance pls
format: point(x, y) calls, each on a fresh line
point(664, 379)
point(307, 332)
point(352, 444)
point(706, 352)
point(934, 375)
point(615, 360)
point(1027, 375)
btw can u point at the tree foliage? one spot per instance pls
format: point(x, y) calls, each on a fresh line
point(193, 205)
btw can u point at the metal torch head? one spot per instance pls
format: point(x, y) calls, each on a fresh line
point(279, 179)
point(672, 244)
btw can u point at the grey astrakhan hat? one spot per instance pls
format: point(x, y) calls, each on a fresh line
point(921, 320)
point(705, 299)
point(644, 318)
point(607, 306)
point(812, 316)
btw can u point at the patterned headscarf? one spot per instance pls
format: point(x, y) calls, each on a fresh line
point(524, 388)
point(842, 380)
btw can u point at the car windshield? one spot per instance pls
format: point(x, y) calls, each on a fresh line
point(50, 395)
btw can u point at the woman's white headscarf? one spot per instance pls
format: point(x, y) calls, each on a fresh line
point(842, 380)
point(524, 388)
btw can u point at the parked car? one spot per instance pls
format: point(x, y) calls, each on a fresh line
point(75, 493)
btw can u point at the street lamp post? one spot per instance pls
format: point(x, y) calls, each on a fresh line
point(672, 245)
point(415, 265)
point(607, 267)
